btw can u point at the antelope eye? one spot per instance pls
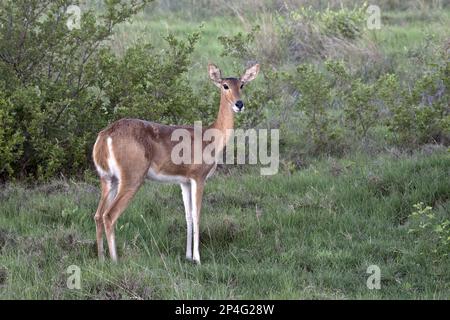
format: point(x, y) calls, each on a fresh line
point(226, 87)
point(242, 85)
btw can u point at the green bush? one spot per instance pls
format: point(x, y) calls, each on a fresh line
point(421, 114)
point(10, 138)
point(344, 23)
point(314, 88)
point(149, 83)
point(362, 101)
point(60, 87)
point(309, 35)
point(414, 115)
point(241, 45)
point(431, 231)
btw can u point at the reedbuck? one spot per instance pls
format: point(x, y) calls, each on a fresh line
point(131, 150)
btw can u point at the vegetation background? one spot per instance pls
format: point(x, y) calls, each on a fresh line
point(364, 126)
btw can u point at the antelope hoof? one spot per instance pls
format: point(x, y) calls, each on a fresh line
point(194, 261)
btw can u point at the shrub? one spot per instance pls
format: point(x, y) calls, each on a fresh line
point(421, 114)
point(60, 86)
point(310, 35)
point(314, 88)
point(414, 115)
point(241, 45)
point(343, 23)
point(360, 99)
point(10, 138)
point(432, 230)
point(149, 83)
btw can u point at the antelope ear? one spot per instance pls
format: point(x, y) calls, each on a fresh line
point(250, 73)
point(214, 74)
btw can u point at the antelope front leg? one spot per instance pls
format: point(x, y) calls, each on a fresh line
point(186, 191)
point(196, 200)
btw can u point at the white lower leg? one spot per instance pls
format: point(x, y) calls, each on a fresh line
point(186, 191)
point(195, 222)
point(99, 231)
point(113, 251)
point(112, 247)
point(104, 204)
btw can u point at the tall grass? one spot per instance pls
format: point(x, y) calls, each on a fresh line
point(311, 234)
point(203, 8)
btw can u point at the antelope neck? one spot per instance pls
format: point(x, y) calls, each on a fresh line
point(225, 119)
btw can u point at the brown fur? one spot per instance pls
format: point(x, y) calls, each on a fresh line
point(138, 145)
point(100, 153)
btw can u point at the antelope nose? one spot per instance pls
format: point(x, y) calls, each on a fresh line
point(239, 104)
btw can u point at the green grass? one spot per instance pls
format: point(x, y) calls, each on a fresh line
point(319, 230)
point(152, 29)
point(404, 40)
point(402, 32)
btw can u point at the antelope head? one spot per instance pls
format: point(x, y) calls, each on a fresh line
point(231, 87)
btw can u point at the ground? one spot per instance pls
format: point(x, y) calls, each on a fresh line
point(310, 234)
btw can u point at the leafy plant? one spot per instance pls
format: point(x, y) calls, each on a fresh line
point(314, 101)
point(344, 22)
point(10, 138)
point(240, 45)
point(149, 83)
point(424, 224)
point(421, 114)
point(61, 86)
